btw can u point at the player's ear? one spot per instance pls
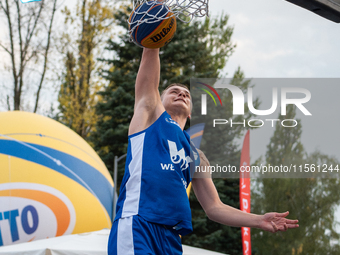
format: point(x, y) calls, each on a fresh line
point(189, 116)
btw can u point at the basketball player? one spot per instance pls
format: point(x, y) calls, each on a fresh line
point(153, 207)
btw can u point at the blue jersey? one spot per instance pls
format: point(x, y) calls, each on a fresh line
point(157, 173)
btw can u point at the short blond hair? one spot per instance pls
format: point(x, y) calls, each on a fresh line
point(180, 85)
point(172, 85)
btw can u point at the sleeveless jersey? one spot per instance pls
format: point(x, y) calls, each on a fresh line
point(157, 173)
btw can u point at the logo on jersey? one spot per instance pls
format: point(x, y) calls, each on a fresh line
point(178, 156)
point(169, 120)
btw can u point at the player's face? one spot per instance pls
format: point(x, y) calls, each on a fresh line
point(177, 97)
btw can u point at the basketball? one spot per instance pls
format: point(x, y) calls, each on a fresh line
point(152, 25)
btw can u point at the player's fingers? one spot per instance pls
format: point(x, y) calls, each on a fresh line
point(285, 214)
point(292, 225)
point(274, 226)
point(292, 221)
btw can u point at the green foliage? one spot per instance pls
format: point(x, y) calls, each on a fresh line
point(199, 49)
point(285, 146)
point(80, 84)
point(116, 109)
point(310, 200)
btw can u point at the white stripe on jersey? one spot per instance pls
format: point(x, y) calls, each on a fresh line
point(125, 237)
point(133, 185)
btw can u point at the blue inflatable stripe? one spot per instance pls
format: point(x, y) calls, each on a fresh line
point(83, 172)
point(193, 130)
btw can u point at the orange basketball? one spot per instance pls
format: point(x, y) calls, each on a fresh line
point(153, 25)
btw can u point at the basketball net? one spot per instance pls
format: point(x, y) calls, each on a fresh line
point(184, 10)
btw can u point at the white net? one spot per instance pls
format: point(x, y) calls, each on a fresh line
point(184, 10)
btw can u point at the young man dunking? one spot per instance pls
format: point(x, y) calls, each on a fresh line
point(153, 208)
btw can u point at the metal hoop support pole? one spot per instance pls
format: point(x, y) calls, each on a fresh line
point(115, 173)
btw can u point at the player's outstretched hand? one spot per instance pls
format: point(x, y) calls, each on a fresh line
point(274, 222)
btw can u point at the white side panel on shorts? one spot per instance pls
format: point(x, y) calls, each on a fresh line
point(125, 237)
point(133, 185)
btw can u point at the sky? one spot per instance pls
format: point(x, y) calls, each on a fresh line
point(277, 39)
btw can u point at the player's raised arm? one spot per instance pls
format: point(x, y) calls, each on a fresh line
point(148, 105)
point(147, 81)
point(148, 76)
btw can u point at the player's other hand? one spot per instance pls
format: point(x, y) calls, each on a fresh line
point(274, 222)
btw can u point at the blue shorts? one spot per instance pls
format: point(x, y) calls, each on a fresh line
point(136, 236)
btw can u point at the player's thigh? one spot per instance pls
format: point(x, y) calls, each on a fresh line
point(121, 237)
point(158, 239)
point(135, 236)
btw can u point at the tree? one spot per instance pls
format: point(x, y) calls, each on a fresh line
point(311, 200)
point(116, 109)
point(80, 82)
point(285, 146)
point(30, 28)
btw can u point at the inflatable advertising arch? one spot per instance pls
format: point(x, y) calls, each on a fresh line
point(52, 182)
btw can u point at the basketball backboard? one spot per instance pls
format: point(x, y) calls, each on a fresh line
point(329, 9)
